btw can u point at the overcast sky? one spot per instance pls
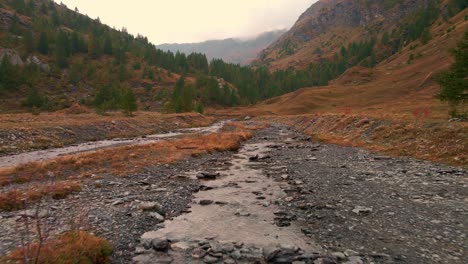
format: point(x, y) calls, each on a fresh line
point(177, 21)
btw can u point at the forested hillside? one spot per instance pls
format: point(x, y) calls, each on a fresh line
point(53, 57)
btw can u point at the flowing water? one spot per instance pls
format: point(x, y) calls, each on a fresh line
point(243, 209)
point(42, 155)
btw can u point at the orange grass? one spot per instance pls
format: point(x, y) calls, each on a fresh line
point(430, 140)
point(17, 199)
point(70, 247)
point(124, 160)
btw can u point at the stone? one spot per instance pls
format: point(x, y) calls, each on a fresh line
point(152, 259)
point(362, 210)
point(157, 216)
point(180, 246)
point(206, 202)
point(12, 55)
point(339, 255)
point(152, 206)
point(349, 252)
point(160, 244)
point(354, 260)
point(254, 158)
point(204, 175)
point(198, 253)
point(242, 213)
point(210, 259)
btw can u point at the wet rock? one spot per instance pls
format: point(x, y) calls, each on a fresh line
point(198, 253)
point(159, 244)
point(285, 254)
point(206, 202)
point(210, 259)
point(152, 259)
point(180, 246)
point(254, 158)
point(242, 213)
point(204, 175)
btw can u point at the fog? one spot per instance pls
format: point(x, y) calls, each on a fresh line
point(181, 21)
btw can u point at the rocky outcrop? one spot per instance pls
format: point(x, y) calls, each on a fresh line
point(12, 55)
point(36, 61)
point(6, 17)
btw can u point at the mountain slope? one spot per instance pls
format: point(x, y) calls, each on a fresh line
point(231, 50)
point(328, 26)
point(401, 86)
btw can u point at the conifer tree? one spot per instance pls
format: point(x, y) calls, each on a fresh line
point(43, 45)
point(454, 82)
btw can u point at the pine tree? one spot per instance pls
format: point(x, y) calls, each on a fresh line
point(107, 46)
point(43, 45)
point(454, 82)
point(29, 41)
point(128, 103)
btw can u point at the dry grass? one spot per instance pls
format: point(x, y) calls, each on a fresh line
point(430, 140)
point(57, 119)
point(124, 160)
point(70, 247)
point(24, 132)
point(17, 199)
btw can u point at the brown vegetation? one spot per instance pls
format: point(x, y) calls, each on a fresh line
point(25, 131)
point(17, 199)
point(70, 247)
point(124, 160)
point(430, 140)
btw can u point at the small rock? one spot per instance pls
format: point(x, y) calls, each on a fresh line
point(157, 216)
point(354, 260)
point(362, 210)
point(180, 246)
point(160, 244)
point(254, 158)
point(350, 253)
point(198, 253)
point(339, 255)
point(206, 202)
point(207, 175)
point(210, 259)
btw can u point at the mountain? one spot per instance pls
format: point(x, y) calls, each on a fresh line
point(331, 27)
point(380, 66)
point(231, 50)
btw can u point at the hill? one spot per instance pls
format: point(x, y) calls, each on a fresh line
point(232, 50)
point(348, 32)
point(396, 86)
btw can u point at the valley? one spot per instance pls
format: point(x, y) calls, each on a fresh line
point(342, 140)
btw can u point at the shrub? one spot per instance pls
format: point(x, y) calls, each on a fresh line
point(70, 247)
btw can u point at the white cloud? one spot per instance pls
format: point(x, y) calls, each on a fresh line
point(165, 21)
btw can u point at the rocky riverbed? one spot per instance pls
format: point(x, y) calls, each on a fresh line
point(280, 199)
